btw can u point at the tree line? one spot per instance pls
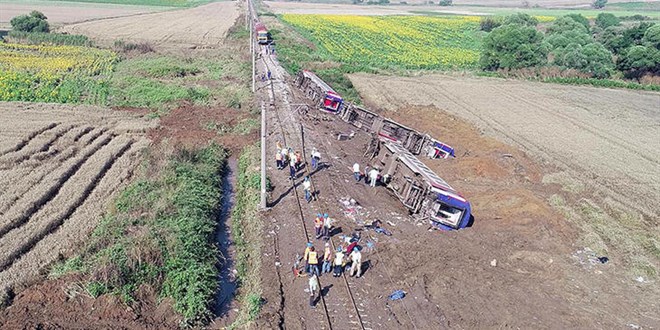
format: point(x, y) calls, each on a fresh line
point(607, 48)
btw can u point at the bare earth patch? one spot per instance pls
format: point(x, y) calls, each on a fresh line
point(204, 26)
point(59, 167)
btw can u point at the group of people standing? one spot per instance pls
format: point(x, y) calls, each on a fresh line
point(371, 174)
point(328, 261)
point(348, 253)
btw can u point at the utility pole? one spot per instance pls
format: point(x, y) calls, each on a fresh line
point(263, 204)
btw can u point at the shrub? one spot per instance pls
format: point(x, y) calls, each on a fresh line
point(598, 4)
point(593, 59)
point(521, 19)
point(513, 46)
point(580, 19)
point(652, 37)
point(34, 22)
point(638, 61)
point(566, 24)
point(605, 20)
point(489, 23)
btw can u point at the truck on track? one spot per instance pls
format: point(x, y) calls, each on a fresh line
point(261, 33)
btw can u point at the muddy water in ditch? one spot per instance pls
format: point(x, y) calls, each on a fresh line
point(227, 279)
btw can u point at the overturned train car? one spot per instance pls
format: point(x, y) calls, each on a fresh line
point(384, 129)
point(424, 193)
point(317, 90)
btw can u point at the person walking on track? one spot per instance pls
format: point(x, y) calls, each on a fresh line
point(356, 171)
point(307, 187)
point(327, 259)
point(278, 160)
point(339, 262)
point(327, 225)
point(313, 261)
point(292, 169)
point(356, 262)
point(316, 157)
point(313, 288)
point(306, 254)
point(318, 225)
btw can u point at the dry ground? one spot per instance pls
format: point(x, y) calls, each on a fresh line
point(65, 13)
point(513, 269)
point(204, 26)
point(59, 167)
point(605, 138)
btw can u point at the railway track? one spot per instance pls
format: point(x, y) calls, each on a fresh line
point(340, 310)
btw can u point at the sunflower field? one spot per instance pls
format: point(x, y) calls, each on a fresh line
point(61, 74)
point(410, 42)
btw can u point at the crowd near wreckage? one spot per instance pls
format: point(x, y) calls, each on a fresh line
point(393, 149)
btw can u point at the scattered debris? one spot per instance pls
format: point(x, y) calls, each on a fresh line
point(396, 295)
point(588, 258)
point(493, 263)
point(633, 326)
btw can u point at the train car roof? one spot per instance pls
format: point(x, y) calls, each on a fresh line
point(318, 81)
point(418, 167)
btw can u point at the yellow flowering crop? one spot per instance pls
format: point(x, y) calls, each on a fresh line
point(416, 42)
point(43, 73)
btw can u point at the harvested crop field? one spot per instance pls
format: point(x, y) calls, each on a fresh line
point(66, 13)
point(606, 137)
point(59, 167)
point(203, 26)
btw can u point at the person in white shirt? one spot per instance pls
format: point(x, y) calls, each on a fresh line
point(316, 157)
point(307, 186)
point(356, 262)
point(313, 288)
point(356, 171)
point(339, 262)
point(373, 177)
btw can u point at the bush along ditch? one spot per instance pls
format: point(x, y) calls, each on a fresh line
point(246, 233)
point(160, 233)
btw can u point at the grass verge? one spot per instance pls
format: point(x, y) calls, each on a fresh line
point(37, 38)
point(161, 82)
point(246, 233)
point(160, 233)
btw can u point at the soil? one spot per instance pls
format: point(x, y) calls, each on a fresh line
point(204, 26)
point(191, 125)
point(66, 13)
point(514, 268)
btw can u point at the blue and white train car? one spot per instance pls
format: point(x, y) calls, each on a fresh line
point(421, 190)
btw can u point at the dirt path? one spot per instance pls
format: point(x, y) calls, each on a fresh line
point(203, 26)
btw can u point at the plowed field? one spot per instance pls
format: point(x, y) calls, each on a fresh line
point(200, 26)
point(59, 166)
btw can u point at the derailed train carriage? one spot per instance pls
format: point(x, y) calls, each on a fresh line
point(424, 193)
point(385, 129)
point(317, 90)
point(394, 146)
